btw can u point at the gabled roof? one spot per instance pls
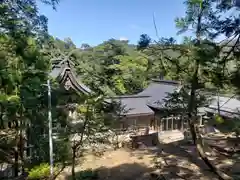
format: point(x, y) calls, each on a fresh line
point(64, 72)
point(143, 102)
point(158, 90)
point(139, 104)
point(133, 105)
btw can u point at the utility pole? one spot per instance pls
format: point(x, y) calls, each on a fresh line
point(50, 128)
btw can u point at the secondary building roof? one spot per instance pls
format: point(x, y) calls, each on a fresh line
point(229, 106)
point(150, 98)
point(143, 102)
point(158, 90)
point(133, 105)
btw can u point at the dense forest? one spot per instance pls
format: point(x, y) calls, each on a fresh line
point(111, 68)
point(114, 67)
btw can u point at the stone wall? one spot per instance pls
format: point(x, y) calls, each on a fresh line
point(145, 140)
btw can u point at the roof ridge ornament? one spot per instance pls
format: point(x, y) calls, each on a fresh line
point(67, 84)
point(63, 59)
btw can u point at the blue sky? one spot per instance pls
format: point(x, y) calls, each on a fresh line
point(93, 21)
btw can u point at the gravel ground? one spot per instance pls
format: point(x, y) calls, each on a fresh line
point(174, 162)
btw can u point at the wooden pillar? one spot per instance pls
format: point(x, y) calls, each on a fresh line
point(166, 124)
point(182, 121)
point(155, 123)
point(200, 121)
point(177, 122)
point(162, 124)
point(172, 122)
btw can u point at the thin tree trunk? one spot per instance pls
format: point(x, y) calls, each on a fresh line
point(21, 149)
point(76, 146)
point(73, 162)
point(16, 162)
point(193, 129)
point(1, 117)
point(16, 152)
point(21, 140)
point(199, 146)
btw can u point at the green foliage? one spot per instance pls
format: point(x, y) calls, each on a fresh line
point(112, 68)
point(40, 172)
point(23, 71)
point(219, 119)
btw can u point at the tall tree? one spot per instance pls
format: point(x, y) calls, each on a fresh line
point(201, 56)
point(199, 16)
point(23, 70)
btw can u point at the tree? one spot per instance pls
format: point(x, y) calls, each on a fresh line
point(131, 74)
point(23, 71)
point(85, 124)
point(101, 67)
point(200, 55)
point(144, 42)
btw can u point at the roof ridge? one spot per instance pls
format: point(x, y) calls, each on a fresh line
point(130, 96)
point(166, 81)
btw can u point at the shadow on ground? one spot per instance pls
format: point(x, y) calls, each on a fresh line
point(133, 171)
point(174, 162)
point(139, 172)
point(183, 159)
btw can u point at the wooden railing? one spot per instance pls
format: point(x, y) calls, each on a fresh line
point(174, 123)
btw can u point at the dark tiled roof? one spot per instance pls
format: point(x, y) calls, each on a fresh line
point(63, 70)
point(158, 90)
point(133, 105)
point(140, 103)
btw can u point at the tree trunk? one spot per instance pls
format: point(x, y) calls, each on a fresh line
point(193, 129)
point(16, 162)
point(192, 109)
point(76, 146)
point(21, 150)
point(199, 146)
point(21, 141)
point(1, 117)
point(73, 162)
point(16, 151)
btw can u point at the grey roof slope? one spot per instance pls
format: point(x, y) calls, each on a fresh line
point(158, 90)
point(133, 105)
point(229, 107)
point(142, 102)
point(62, 70)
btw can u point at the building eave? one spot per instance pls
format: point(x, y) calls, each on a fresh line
point(68, 75)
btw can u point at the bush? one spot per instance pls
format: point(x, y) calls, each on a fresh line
point(40, 172)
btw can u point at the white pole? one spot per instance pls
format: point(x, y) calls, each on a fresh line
point(50, 128)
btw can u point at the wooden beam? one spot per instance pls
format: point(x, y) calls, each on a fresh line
point(166, 123)
point(182, 121)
